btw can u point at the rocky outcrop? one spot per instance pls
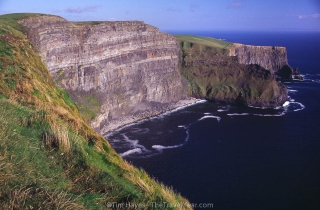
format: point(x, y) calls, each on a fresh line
point(239, 74)
point(269, 57)
point(119, 69)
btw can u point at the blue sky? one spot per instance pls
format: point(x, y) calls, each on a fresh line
point(167, 15)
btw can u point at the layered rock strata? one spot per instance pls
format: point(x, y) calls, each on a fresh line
point(120, 69)
point(238, 74)
point(273, 58)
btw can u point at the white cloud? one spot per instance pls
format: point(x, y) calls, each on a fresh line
point(315, 16)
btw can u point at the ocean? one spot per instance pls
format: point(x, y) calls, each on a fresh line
point(239, 157)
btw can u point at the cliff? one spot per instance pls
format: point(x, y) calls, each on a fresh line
point(50, 158)
point(273, 58)
point(112, 69)
point(121, 72)
point(234, 73)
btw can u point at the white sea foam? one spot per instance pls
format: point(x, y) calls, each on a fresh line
point(287, 103)
point(257, 107)
point(139, 130)
point(132, 151)
point(292, 91)
point(270, 115)
point(222, 110)
point(160, 147)
point(238, 114)
point(133, 143)
point(207, 113)
point(301, 105)
point(155, 117)
point(207, 117)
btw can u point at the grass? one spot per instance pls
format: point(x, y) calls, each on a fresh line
point(187, 41)
point(50, 158)
point(89, 106)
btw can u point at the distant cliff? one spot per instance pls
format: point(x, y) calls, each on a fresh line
point(272, 58)
point(234, 73)
point(115, 69)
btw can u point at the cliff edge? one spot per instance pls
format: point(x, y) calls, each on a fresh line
point(113, 70)
point(227, 72)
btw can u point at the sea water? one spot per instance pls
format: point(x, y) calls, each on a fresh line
point(240, 157)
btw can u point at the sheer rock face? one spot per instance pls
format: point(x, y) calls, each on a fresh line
point(272, 58)
point(243, 75)
point(129, 66)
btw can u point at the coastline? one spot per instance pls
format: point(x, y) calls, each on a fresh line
point(123, 122)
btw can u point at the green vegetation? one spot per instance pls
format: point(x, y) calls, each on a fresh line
point(213, 75)
point(89, 106)
point(50, 158)
point(89, 23)
point(204, 43)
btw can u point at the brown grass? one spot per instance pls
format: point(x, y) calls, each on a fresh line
point(57, 137)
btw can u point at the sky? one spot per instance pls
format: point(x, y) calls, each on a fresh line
point(184, 15)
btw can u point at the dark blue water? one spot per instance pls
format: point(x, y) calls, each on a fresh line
point(240, 158)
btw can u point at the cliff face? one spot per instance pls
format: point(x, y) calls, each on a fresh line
point(272, 58)
point(233, 73)
point(118, 69)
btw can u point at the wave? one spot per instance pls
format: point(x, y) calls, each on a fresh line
point(287, 103)
point(300, 104)
point(238, 114)
point(140, 130)
point(270, 115)
point(222, 110)
point(130, 152)
point(160, 147)
point(207, 117)
point(155, 117)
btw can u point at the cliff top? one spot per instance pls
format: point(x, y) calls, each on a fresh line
point(207, 41)
point(37, 19)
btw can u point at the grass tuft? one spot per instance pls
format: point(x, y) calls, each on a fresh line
point(56, 137)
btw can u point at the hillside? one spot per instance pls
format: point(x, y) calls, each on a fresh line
point(50, 158)
point(225, 72)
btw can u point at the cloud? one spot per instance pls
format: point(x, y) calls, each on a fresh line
point(172, 9)
point(86, 9)
point(193, 7)
point(314, 16)
point(235, 5)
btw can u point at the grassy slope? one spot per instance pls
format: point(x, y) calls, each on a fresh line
point(49, 157)
point(214, 75)
point(205, 41)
